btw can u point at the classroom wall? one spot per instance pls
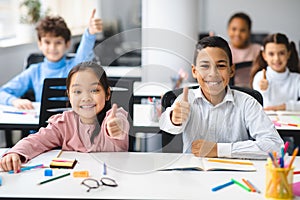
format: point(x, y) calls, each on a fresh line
point(267, 16)
point(12, 60)
point(169, 35)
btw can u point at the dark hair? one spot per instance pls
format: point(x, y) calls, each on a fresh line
point(55, 26)
point(100, 73)
point(213, 41)
point(278, 38)
point(243, 16)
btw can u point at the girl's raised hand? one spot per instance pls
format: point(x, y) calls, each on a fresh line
point(95, 24)
point(181, 109)
point(11, 161)
point(114, 124)
point(263, 83)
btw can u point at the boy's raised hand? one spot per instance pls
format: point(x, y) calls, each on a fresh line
point(263, 83)
point(181, 109)
point(95, 24)
point(114, 124)
point(11, 161)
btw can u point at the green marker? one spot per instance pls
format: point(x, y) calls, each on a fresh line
point(241, 185)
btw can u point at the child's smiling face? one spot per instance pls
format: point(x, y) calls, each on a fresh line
point(87, 96)
point(238, 32)
point(53, 47)
point(276, 56)
point(213, 72)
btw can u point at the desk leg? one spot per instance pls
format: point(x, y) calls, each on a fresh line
point(8, 137)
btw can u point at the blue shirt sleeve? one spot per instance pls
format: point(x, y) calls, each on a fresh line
point(85, 49)
point(16, 87)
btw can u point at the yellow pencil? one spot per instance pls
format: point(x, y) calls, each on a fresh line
point(59, 154)
point(230, 161)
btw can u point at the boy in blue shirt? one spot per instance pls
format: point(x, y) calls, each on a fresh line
point(54, 39)
point(217, 121)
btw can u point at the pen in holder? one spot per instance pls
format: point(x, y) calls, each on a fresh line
point(279, 176)
point(279, 182)
point(156, 109)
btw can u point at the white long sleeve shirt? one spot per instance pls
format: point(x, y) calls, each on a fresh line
point(238, 125)
point(283, 88)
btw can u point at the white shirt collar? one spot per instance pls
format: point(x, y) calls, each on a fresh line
point(199, 95)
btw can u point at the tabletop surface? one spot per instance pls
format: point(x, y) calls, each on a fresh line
point(137, 176)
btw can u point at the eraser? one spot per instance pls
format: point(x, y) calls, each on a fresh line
point(48, 172)
point(81, 174)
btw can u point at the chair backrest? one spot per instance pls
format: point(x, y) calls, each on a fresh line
point(55, 100)
point(258, 37)
point(242, 74)
point(39, 57)
point(122, 94)
point(173, 143)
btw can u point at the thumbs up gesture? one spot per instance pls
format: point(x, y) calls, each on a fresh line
point(263, 83)
point(181, 109)
point(95, 24)
point(114, 124)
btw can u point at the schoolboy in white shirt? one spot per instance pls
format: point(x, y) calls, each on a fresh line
point(217, 121)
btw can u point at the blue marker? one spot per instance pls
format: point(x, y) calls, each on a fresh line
point(27, 168)
point(0, 180)
point(222, 186)
point(104, 169)
point(15, 112)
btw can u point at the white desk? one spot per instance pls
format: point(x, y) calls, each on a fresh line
point(137, 178)
point(123, 71)
point(284, 118)
point(30, 120)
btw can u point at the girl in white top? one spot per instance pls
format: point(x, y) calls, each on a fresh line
point(276, 74)
point(217, 121)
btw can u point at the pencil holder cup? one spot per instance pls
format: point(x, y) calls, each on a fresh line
point(155, 110)
point(279, 183)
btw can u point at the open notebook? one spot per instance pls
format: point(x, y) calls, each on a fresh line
point(190, 162)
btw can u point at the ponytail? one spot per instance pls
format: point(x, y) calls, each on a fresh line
point(293, 62)
point(258, 64)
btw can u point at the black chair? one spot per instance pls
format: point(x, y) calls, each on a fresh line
point(241, 77)
point(173, 143)
point(55, 100)
point(122, 94)
point(258, 37)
